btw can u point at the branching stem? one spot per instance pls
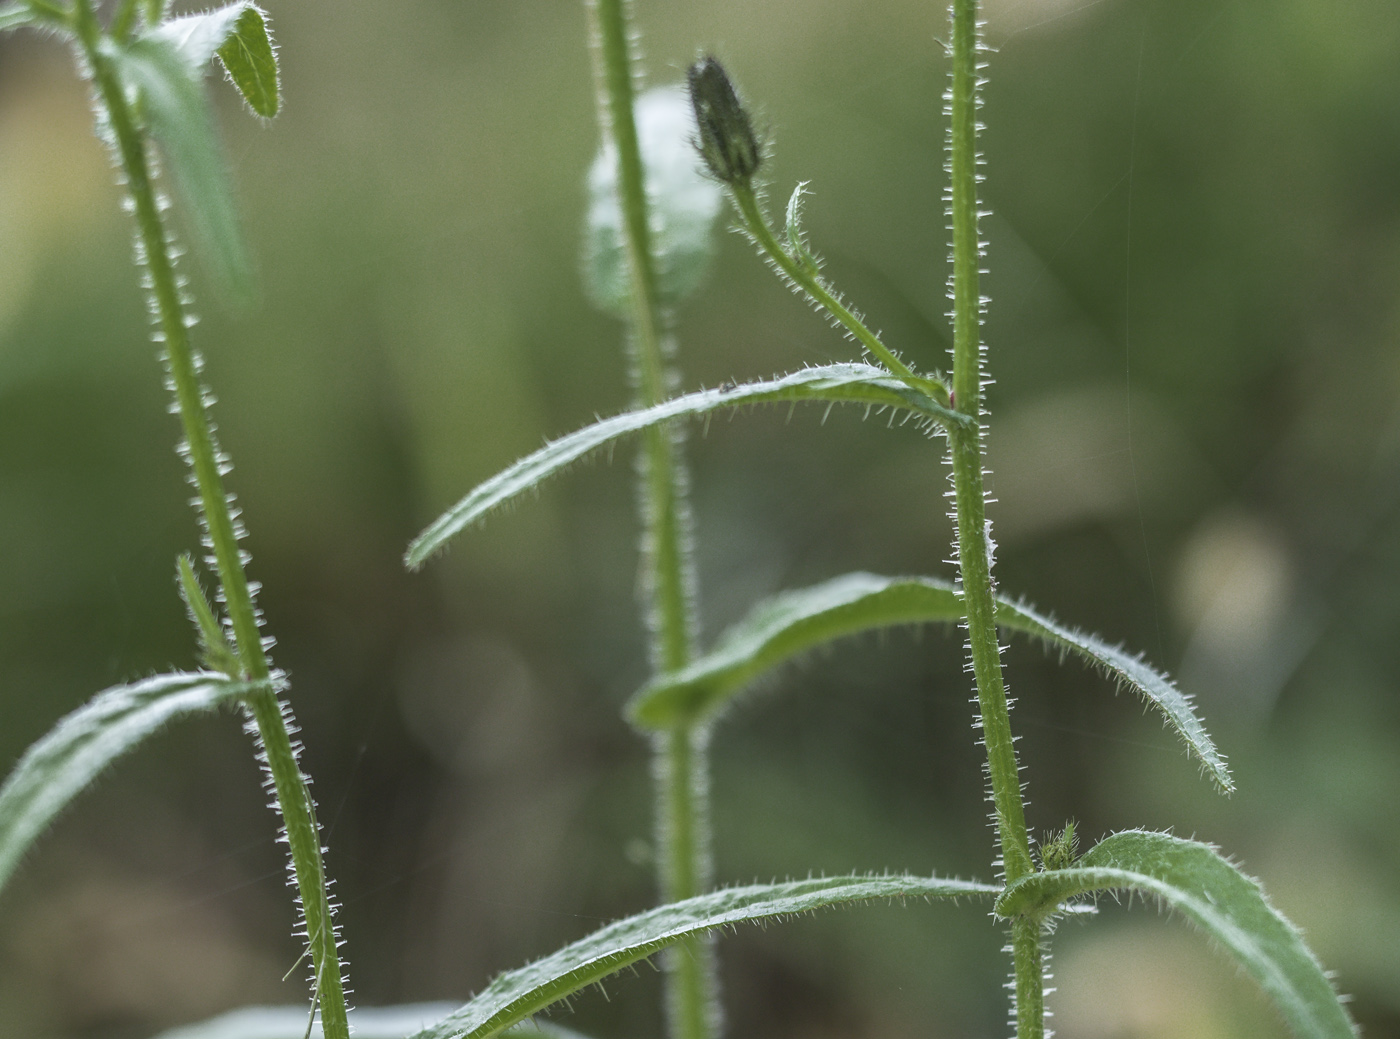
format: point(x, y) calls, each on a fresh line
point(681, 756)
point(757, 225)
point(270, 714)
point(974, 556)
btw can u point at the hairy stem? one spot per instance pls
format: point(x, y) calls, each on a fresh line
point(974, 555)
point(681, 766)
point(1029, 959)
point(804, 280)
point(271, 716)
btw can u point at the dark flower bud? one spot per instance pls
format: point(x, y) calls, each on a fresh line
point(726, 141)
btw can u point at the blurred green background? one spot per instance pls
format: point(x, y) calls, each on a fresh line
point(1194, 256)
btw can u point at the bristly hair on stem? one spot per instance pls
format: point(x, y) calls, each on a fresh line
point(244, 649)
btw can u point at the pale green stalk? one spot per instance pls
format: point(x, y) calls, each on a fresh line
point(974, 555)
point(271, 716)
point(680, 762)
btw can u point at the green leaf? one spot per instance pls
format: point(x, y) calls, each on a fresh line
point(783, 627)
point(66, 761)
point(13, 15)
point(174, 105)
point(1127, 672)
point(198, 37)
point(683, 206)
point(1228, 906)
point(791, 623)
point(365, 1023)
point(831, 384)
point(251, 62)
point(517, 994)
point(238, 34)
point(215, 652)
point(796, 237)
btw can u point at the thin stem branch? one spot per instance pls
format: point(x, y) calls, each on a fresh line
point(974, 553)
point(801, 278)
point(271, 715)
point(125, 19)
point(680, 757)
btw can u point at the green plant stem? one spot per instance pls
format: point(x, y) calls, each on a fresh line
point(681, 756)
point(270, 715)
point(974, 557)
point(756, 224)
point(1028, 956)
point(124, 19)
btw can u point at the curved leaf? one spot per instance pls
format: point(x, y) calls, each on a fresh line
point(517, 994)
point(791, 623)
point(174, 106)
point(64, 762)
point(1228, 906)
point(1127, 672)
point(683, 205)
point(830, 384)
point(782, 627)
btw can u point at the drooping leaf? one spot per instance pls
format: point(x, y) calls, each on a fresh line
point(238, 34)
point(13, 15)
point(251, 62)
point(517, 994)
point(830, 384)
point(1228, 906)
point(791, 623)
point(683, 206)
point(1128, 672)
point(66, 761)
point(175, 107)
point(365, 1023)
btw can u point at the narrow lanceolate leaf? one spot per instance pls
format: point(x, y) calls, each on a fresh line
point(791, 623)
point(783, 627)
point(683, 205)
point(66, 761)
point(517, 994)
point(1128, 672)
point(1228, 906)
point(365, 1023)
point(175, 107)
point(831, 384)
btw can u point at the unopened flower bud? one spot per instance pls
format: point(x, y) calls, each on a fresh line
point(726, 141)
